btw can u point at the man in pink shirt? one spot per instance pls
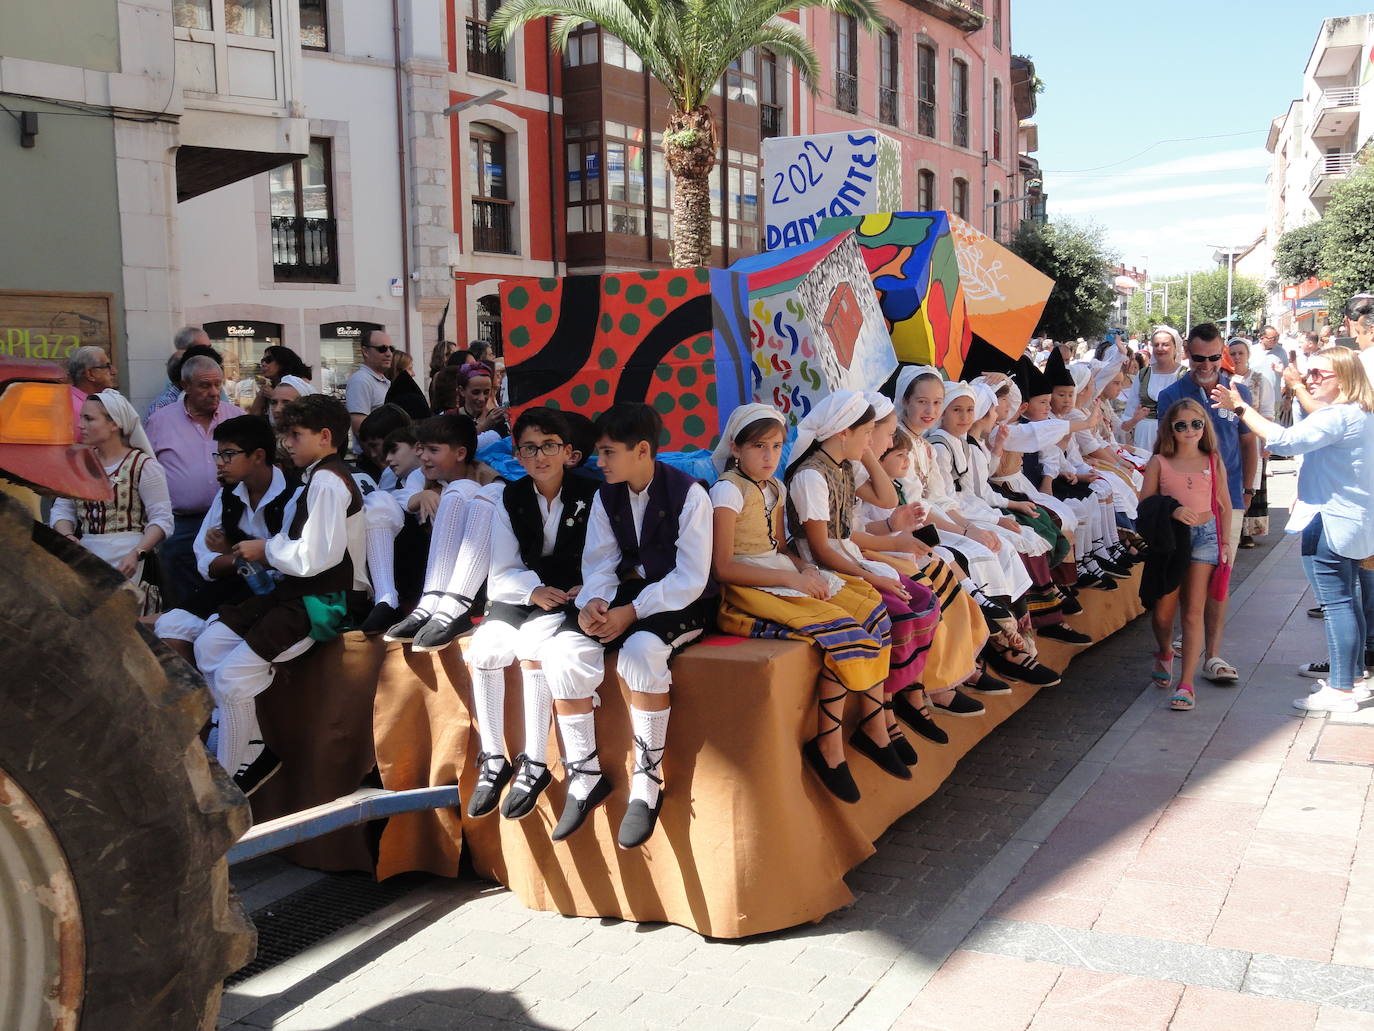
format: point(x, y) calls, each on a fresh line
point(182, 435)
point(91, 371)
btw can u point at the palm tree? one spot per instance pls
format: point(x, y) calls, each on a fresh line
point(687, 45)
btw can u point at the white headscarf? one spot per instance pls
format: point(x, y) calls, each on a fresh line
point(1107, 370)
point(125, 417)
point(984, 397)
point(300, 386)
point(1013, 391)
point(909, 373)
point(833, 415)
point(1082, 373)
point(953, 390)
point(740, 418)
point(1178, 341)
point(882, 405)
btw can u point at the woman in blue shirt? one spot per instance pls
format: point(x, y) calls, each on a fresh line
point(1332, 512)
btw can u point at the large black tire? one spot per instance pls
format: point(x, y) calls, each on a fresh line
point(99, 729)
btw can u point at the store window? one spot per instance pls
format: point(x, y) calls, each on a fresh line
point(241, 342)
point(341, 352)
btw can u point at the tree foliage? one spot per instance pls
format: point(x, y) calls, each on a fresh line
point(1298, 253)
point(1209, 303)
point(1347, 250)
point(1075, 257)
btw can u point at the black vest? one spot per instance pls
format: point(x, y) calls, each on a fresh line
point(1032, 466)
point(656, 550)
point(562, 568)
point(232, 510)
point(335, 578)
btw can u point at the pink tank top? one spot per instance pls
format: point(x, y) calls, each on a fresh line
point(1191, 490)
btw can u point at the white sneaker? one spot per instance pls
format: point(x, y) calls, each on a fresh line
point(1362, 692)
point(1328, 699)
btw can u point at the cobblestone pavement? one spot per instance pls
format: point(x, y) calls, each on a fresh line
point(470, 956)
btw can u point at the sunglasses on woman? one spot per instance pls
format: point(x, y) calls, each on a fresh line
point(1318, 375)
point(1188, 424)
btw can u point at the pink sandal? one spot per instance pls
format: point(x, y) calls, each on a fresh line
point(1163, 673)
point(1183, 698)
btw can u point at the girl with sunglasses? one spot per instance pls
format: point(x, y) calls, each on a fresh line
point(1185, 468)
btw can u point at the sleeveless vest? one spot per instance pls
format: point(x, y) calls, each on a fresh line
point(338, 577)
point(232, 509)
point(1031, 465)
point(839, 481)
point(656, 547)
point(125, 513)
point(756, 531)
point(562, 568)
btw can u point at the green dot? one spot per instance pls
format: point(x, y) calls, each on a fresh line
point(694, 425)
point(607, 322)
point(543, 313)
point(602, 388)
point(635, 294)
point(689, 401)
point(704, 344)
point(610, 286)
point(687, 376)
point(647, 276)
point(581, 394)
point(665, 402)
point(663, 439)
point(711, 394)
point(552, 402)
point(708, 367)
point(607, 358)
point(519, 336)
point(629, 323)
point(658, 307)
point(519, 297)
point(677, 287)
point(681, 353)
point(664, 372)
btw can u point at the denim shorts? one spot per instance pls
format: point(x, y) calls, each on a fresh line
point(1204, 542)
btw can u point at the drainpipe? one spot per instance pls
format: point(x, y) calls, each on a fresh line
point(553, 164)
point(401, 173)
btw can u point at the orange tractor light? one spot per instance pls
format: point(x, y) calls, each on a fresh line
point(36, 413)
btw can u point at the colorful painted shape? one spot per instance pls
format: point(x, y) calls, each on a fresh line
point(1005, 296)
point(911, 260)
point(810, 178)
point(814, 324)
point(674, 339)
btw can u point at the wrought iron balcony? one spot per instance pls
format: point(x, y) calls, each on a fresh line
point(770, 120)
point(887, 105)
point(484, 56)
point(491, 226)
point(963, 16)
point(960, 138)
point(847, 92)
point(925, 118)
point(305, 250)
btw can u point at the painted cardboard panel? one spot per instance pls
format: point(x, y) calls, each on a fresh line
point(810, 178)
point(1005, 296)
point(911, 260)
point(674, 339)
point(814, 324)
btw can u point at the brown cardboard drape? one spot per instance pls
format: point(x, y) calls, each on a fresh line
point(748, 840)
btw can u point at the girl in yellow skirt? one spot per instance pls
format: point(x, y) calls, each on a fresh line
point(768, 593)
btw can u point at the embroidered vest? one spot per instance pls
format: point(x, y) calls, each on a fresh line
point(656, 547)
point(839, 481)
point(562, 568)
point(125, 513)
point(233, 508)
point(335, 578)
point(757, 531)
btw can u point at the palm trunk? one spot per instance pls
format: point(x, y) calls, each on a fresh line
point(689, 145)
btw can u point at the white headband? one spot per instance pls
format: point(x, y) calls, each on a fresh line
point(740, 418)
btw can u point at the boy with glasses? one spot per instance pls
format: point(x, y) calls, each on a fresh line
point(537, 536)
point(1239, 452)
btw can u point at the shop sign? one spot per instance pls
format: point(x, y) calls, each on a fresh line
point(347, 330)
point(243, 330)
point(51, 325)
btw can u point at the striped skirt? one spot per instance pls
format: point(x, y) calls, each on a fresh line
point(852, 629)
point(962, 631)
point(914, 624)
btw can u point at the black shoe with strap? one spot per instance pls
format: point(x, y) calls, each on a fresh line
point(531, 778)
point(442, 631)
point(884, 756)
point(491, 779)
point(407, 628)
point(918, 718)
point(960, 704)
point(258, 771)
point(576, 810)
point(1024, 668)
point(837, 779)
point(1063, 632)
point(379, 620)
point(640, 818)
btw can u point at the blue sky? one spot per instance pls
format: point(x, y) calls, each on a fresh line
point(1133, 87)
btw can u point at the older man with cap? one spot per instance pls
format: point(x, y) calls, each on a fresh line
point(182, 436)
point(91, 371)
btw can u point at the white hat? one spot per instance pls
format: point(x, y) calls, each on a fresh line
point(125, 417)
point(835, 414)
point(300, 386)
point(739, 419)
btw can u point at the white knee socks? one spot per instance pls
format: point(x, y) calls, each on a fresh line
point(238, 728)
point(650, 730)
point(443, 548)
point(472, 563)
point(381, 565)
point(489, 706)
point(538, 705)
point(579, 744)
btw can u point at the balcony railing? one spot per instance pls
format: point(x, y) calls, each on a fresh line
point(925, 118)
point(770, 120)
point(887, 105)
point(1340, 96)
point(847, 92)
point(960, 128)
point(491, 226)
point(305, 249)
point(1330, 165)
point(485, 57)
point(967, 17)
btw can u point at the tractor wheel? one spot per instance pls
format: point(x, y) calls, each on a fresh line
point(115, 906)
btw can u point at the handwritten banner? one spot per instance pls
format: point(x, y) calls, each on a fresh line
point(828, 175)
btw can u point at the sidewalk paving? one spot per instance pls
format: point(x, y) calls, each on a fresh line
point(1098, 861)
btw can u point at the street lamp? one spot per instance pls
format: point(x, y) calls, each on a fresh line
point(1230, 254)
point(485, 98)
